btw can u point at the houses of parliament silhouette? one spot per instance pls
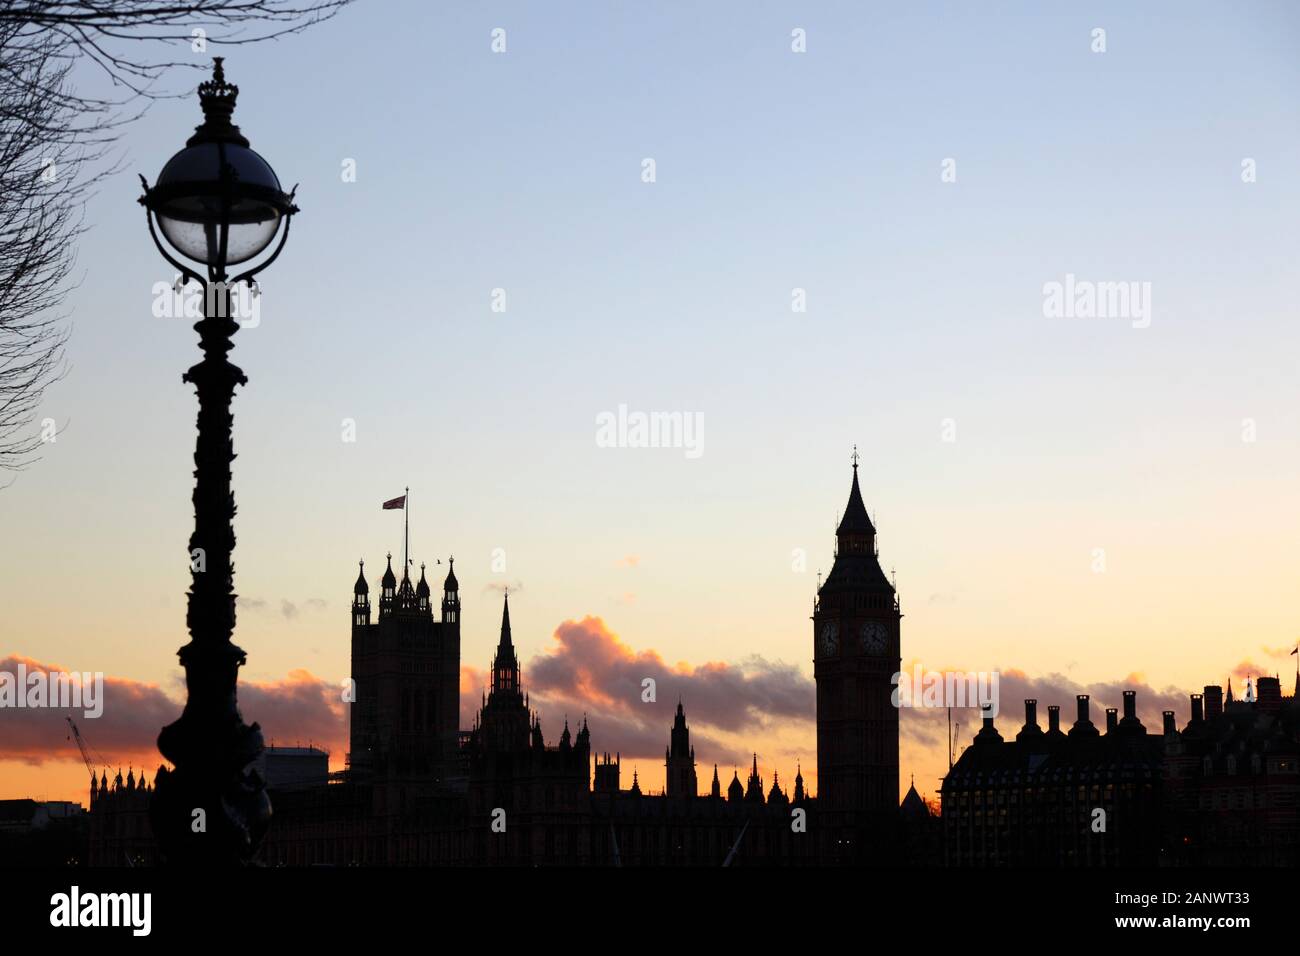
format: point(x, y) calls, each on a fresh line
point(420, 790)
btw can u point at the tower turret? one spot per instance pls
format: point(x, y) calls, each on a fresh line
point(361, 597)
point(735, 789)
point(679, 759)
point(451, 595)
point(913, 806)
point(754, 788)
point(422, 592)
point(606, 775)
point(406, 591)
point(387, 589)
point(776, 794)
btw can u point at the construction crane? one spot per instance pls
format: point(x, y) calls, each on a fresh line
point(85, 749)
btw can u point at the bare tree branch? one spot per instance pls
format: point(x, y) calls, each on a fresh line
point(57, 145)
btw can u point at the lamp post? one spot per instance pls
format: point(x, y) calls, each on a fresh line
point(218, 204)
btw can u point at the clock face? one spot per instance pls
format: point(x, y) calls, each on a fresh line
point(875, 637)
point(828, 638)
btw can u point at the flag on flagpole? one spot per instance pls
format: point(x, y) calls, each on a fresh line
point(399, 503)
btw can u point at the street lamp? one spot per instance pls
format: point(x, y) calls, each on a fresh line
point(218, 204)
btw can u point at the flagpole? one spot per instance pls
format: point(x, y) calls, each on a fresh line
point(950, 740)
point(406, 537)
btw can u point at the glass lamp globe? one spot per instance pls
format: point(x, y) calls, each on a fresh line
point(217, 201)
point(215, 189)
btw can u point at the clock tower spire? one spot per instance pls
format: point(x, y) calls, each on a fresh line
point(856, 534)
point(856, 653)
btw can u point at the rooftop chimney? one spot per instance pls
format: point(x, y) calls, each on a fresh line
point(1170, 726)
point(1213, 701)
point(1112, 719)
point(1053, 718)
point(1083, 725)
point(1197, 714)
point(1130, 723)
point(1268, 695)
point(988, 733)
point(1031, 733)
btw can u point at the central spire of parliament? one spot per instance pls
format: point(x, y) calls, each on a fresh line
point(505, 666)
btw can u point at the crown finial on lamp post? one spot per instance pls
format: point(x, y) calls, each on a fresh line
point(217, 99)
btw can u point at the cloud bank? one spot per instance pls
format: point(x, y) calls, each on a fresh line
point(300, 708)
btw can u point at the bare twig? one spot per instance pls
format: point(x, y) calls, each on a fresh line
point(57, 145)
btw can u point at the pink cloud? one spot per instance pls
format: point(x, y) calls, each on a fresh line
point(590, 670)
point(300, 708)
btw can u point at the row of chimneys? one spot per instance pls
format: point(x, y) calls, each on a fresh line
point(1084, 721)
point(1205, 706)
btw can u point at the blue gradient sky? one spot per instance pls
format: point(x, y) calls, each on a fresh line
point(775, 170)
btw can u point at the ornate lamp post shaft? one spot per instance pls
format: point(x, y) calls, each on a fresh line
point(211, 611)
point(218, 203)
point(210, 745)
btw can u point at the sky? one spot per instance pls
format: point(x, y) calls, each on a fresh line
point(1081, 503)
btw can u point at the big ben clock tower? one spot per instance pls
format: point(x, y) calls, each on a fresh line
point(856, 655)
